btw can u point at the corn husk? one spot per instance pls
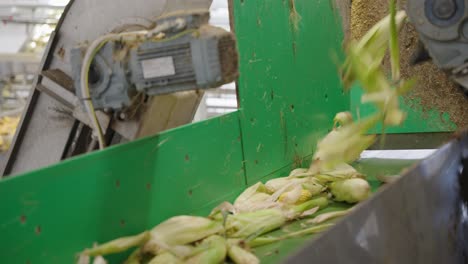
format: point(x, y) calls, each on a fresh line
point(165, 258)
point(265, 240)
point(301, 210)
point(134, 258)
point(258, 201)
point(342, 118)
point(351, 190)
point(299, 172)
point(83, 259)
point(313, 186)
point(240, 255)
point(343, 145)
point(181, 230)
point(99, 260)
point(342, 171)
point(293, 196)
point(213, 250)
point(251, 191)
point(118, 245)
point(364, 61)
point(394, 49)
point(328, 216)
point(274, 185)
point(243, 225)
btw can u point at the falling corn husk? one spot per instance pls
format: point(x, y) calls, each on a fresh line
point(328, 216)
point(181, 230)
point(394, 50)
point(363, 64)
point(351, 190)
point(240, 255)
point(375, 41)
point(214, 250)
point(343, 144)
point(118, 245)
point(342, 118)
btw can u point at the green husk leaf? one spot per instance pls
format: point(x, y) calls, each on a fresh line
point(118, 245)
point(297, 211)
point(299, 172)
point(394, 49)
point(240, 255)
point(327, 216)
point(214, 251)
point(406, 86)
point(265, 240)
point(251, 191)
point(99, 260)
point(308, 231)
point(134, 258)
point(165, 258)
point(243, 225)
point(342, 119)
point(181, 230)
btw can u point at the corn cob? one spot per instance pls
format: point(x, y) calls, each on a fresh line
point(213, 251)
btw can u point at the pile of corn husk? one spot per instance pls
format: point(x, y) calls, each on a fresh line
point(231, 231)
point(7, 131)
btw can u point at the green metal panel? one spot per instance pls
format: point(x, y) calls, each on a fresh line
point(289, 87)
point(49, 215)
point(417, 121)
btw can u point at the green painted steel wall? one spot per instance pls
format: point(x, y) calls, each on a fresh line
point(289, 89)
point(49, 215)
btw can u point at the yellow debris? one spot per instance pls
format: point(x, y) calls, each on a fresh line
point(7, 131)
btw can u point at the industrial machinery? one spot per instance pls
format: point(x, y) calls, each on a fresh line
point(99, 83)
point(289, 92)
point(443, 29)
